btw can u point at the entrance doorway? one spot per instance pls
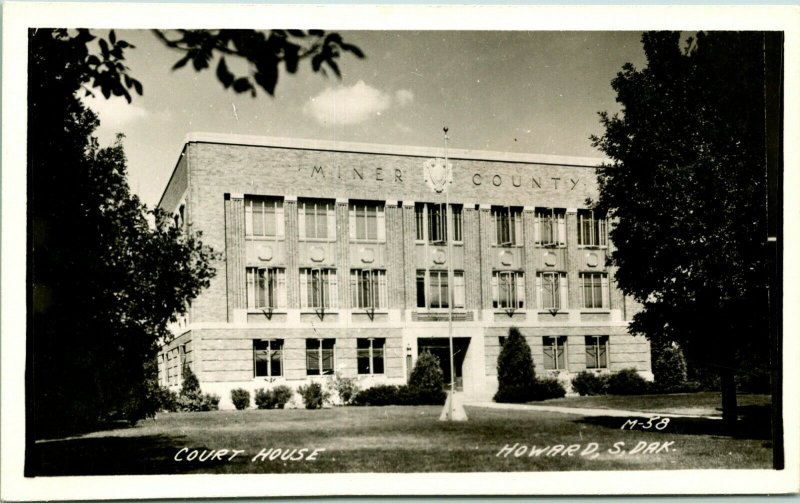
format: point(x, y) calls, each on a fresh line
point(440, 347)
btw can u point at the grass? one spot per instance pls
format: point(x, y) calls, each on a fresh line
point(704, 403)
point(395, 439)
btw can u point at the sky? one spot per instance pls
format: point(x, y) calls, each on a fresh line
point(513, 91)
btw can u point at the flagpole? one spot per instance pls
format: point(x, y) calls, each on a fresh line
point(450, 278)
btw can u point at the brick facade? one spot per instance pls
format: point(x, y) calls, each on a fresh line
point(218, 174)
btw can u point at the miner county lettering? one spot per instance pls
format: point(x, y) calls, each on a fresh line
point(590, 450)
point(271, 454)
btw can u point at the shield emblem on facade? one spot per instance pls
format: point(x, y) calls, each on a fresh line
point(437, 175)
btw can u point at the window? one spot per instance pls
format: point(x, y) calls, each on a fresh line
point(457, 222)
point(421, 289)
point(370, 355)
point(316, 219)
point(591, 229)
point(437, 293)
point(550, 227)
point(320, 356)
point(594, 286)
point(267, 358)
point(367, 221)
point(596, 351)
point(508, 290)
point(551, 287)
point(266, 288)
point(508, 225)
point(555, 352)
point(431, 222)
point(318, 288)
point(263, 216)
point(368, 289)
point(179, 217)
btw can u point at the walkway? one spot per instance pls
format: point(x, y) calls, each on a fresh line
point(581, 411)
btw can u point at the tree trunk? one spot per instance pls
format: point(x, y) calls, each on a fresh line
point(729, 412)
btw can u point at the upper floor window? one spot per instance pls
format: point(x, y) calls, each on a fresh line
point(551, 287)
point(368, 288)
point(318, 288)
point(594, 288)
point(554, 349)
point(550, 227)
point(266, 288)
point(592, 229)
point(179, 218)
point(263, 216)
point(508, 225)
point(433, 289)
point(367, 222)
point(508, 289)
point(316, 219)
point(268, 358)
point(432, 219)
point(370, 355)
point(596, 351)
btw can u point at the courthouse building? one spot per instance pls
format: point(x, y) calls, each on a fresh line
point(333, 258)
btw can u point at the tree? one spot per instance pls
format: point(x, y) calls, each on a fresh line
point(686, 185)
point(426, 382)
point(516, 378)
point(106, 274)
point(263, 50)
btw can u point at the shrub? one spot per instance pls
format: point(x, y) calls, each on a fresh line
point(669, 367)
point(547, 388)
point(190, 385)
point(590, 383)
point(427, 373)
point(191, 399)
point(626, 382)
point(313, 395)
point(411, 396)
point(265, 399)
point(515, 372)
point(345, 387)
point(381, 394)
point(198, 403)
point(282, 394)
point(240, 398)
point(167, 399)
point(426, 383)
point(209, 402)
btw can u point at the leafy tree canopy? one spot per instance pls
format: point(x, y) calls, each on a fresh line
point(108, 275)
point(687, 187)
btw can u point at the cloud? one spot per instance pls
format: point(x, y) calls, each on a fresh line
point(355, 104)
point(404, 97)
point(115, 113)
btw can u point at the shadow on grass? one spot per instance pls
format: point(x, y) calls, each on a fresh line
point(143, 455)
point(754, 423)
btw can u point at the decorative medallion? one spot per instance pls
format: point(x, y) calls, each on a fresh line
point(439, 256)
point(550, 259)
point(367, 255)
point(437, 175)
point(264, 253)
point(506, 257)
point(592, 260)
point(317, 254)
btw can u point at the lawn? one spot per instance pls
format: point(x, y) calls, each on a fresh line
point(705, 403)
point(397, 439)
